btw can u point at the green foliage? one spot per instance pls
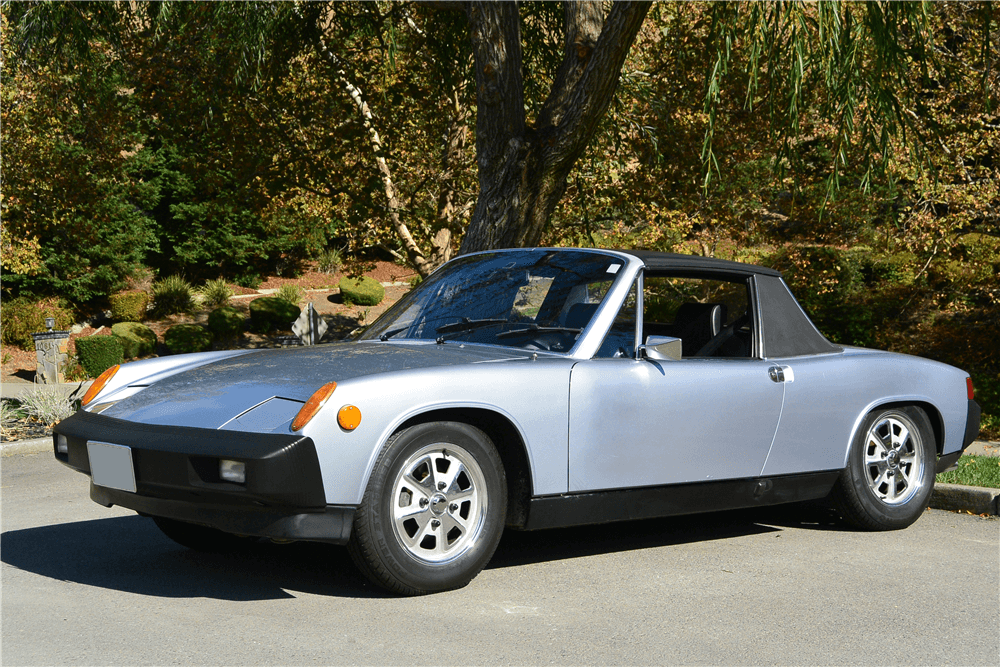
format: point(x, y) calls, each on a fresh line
point(21, 317)
point(291, 293)
point(330, 261)
point(362, 291)
point(269, 312)
point(974, 471)
point(225, 322)
point(129, 306)
point(172, 295)
point(215, 293)
point(76, 196)
point(99, 353)
point(184, 338)
point(137, 339)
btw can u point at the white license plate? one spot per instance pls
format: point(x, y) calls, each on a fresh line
point(111, 466)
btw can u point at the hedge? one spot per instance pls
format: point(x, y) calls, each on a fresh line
point(183, 338)
point(21, 317)
point(363, 291)
point(129, 306)
point(99, 353)
point(270, 312)
point(225, 322)
point(137, 340)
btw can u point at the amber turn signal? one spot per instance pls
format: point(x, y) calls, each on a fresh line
point(349, 417)
point(98, 385)
point(312, 406)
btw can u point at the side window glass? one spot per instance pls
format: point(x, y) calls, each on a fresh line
point(620, 339)
point(711, 317)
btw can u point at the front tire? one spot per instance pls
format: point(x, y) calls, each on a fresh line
point(434, 509)
point(890, 470)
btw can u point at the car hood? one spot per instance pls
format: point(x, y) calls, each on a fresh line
point(211, 395)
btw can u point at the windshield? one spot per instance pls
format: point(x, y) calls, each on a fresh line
point(533, 299)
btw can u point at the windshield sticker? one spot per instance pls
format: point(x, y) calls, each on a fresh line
point(614, 268)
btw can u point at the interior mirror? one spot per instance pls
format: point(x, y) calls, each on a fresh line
point(663, 348)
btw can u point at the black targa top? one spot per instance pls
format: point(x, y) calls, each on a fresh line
point(786, 329)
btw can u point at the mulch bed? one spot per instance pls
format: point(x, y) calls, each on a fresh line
point(24, 428)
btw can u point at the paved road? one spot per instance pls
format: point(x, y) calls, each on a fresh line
point(84, 585)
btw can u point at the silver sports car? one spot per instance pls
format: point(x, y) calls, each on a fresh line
point(528, 389)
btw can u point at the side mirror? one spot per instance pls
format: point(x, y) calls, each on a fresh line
point(662, 348)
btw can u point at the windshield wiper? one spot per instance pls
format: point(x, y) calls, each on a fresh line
point(468, 325)
point(389, 334)
point(534, 328)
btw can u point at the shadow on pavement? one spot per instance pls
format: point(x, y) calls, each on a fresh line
point(521, 548)
point(130, 554)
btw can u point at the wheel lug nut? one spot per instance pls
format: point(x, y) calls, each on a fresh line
point(423, 502)
point(440, 486)
point(453, 507)
point(435, 523)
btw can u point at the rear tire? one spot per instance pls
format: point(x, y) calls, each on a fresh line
point(202, 538)
point(434, 509)
point(890, 470)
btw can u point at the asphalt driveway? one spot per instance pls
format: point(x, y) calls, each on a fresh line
point(85, 585)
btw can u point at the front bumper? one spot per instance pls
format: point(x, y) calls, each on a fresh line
point(177, 476)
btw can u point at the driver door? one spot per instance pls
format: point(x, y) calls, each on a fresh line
point(638, 422)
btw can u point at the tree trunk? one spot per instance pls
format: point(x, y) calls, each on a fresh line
point(523, 171)
point(447, 212)
point(415, 255)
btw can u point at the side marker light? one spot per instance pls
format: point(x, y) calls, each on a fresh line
point(99, 384)
point(349, 417)
point(972, 391)
point(313, 405)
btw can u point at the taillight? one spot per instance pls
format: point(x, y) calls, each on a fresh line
point(99, 384)
point(312, 406)
point(972, 392)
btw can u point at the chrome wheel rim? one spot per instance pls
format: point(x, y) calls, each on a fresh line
point(894, 460)
point(439, 503)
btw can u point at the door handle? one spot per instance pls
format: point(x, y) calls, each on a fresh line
point(781, 374)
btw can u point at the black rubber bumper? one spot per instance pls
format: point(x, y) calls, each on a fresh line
point(177, 476)
point(971, 433)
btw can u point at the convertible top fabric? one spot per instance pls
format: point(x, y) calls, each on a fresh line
point(788, 331)
point(664, 261)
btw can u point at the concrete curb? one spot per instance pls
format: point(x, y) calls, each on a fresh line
point(974, 499)
point(69, 389)
point(34, 446)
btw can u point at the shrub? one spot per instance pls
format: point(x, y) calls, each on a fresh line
point(293, 294)
point(21, 317)
point(270, 312)
point(46, 404)
point(216, 293)
point(99, 353)
point(363, 291)
point(172, 295)
point(183, 338)
point(129, 306)
point(137, 340)
point(330, 261)
point(225, 322)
